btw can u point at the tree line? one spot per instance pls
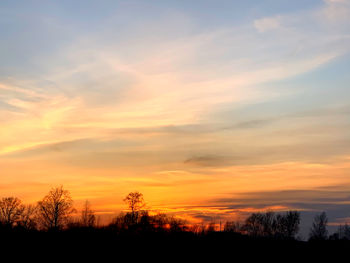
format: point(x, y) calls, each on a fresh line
point(55, 213)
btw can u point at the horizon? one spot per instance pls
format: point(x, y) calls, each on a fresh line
point(212, 109)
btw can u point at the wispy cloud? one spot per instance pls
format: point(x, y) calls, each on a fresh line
point(266, 24)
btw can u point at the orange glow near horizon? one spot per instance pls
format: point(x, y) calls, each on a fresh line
point(188, 195)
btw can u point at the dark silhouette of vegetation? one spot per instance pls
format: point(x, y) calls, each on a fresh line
point(343, 232)
point(88, 218)
point(28, 218)
point(319, 227)
point(135, 202)
point(232, 226)
point(11, 210)
point(53, 222)
point(55, 208)
point(270, 224)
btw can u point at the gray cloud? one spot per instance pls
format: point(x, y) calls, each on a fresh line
point(43, 149)
point(334, 200)
point(314, 199)
point(158, 145)
point(8, 107)
point(208, 160)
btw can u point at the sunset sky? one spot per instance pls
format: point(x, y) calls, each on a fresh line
point(211, 109)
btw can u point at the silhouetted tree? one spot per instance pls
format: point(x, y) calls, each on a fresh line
point(269, 224)
point(197, 228)
point(211, 227)
point(319, 230)
point(267, 221)
point(343, 232)
point(135, 202)
point(232, 226)
point(88, 218)
point(287, 225)
point(254, 225)
point(177, 224)
point(11, 209)
point(55, 209)
point(28, 218)
point(145, 222)
point(160, 221)
point(120, 223)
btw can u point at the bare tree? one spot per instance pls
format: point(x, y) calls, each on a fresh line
point(232, 226)
point(177, 224)
point(292, 221)
point(269, 224)
point(211, 227)
point(260, 224)
point(11, 209)
point(319, 230)
point(135, 202)
point(196, 228)
point(88, 218)
point(343, 232)
point(55, 208)
point(160, 221)
point(254, 224)
point(287, 225)
point(267, 221)
point(27, 219)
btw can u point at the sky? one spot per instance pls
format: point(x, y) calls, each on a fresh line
point(212, 109)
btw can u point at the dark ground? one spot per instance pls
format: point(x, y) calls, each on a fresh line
point(103, 246)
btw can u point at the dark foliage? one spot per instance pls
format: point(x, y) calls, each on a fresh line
point(137, 233)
